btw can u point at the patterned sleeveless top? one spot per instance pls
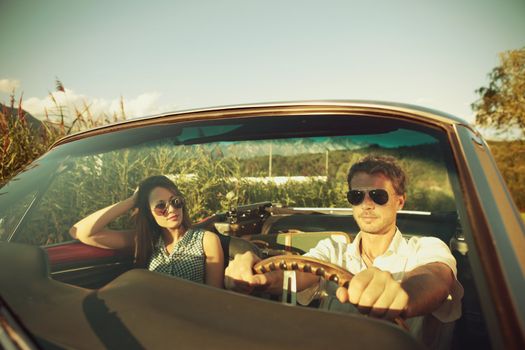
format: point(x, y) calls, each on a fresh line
point(187, 259)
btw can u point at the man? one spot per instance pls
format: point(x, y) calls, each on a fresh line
point(394, 277)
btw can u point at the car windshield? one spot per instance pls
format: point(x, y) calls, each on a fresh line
point(290, 161)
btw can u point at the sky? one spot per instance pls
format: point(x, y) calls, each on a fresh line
point(161, 56)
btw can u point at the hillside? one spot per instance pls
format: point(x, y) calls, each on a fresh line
point(9, 112)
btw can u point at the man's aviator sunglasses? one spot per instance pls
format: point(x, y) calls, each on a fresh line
point(161, 208)
point(356, 197)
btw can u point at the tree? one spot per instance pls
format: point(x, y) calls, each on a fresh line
point(502, 104)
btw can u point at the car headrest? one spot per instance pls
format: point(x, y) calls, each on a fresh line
point(22, 262)
point(239, 246)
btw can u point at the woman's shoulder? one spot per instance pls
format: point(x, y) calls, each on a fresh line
point(197, 232)
point(205, 236)
point(211, 244)
point(209, 237)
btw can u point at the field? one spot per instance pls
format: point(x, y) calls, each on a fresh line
point(21, 142)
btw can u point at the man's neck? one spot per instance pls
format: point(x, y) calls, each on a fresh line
point(374, 244)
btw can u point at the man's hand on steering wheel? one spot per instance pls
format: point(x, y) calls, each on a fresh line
point(239, 275)
point(375, 293)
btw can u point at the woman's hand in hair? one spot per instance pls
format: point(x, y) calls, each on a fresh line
point(134, 197)
point(93, 230)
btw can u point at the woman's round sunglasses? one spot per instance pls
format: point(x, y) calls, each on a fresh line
point(162, 207)
point(356, 197)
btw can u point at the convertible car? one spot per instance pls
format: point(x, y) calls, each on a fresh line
point(269, 178)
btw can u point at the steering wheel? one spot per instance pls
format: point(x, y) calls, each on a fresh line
point(328, 271)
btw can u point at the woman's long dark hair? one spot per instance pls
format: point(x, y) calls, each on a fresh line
point(148, 231)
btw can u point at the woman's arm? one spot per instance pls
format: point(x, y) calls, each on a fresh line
point(92, 229)
point(214, 260)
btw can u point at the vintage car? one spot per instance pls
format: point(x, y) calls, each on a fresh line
point(270, 178)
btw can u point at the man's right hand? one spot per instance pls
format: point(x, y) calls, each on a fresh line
point(239, 275)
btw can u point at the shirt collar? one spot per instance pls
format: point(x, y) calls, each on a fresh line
point(161, 246)
point(397, 245)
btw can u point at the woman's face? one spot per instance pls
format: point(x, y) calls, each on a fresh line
point(166, 208)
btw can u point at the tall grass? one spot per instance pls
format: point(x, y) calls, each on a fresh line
point(209, 184)
point(22, 142)
point(215, 184)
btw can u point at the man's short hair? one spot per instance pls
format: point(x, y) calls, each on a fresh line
point(385, 165)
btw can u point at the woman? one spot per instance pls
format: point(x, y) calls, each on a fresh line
point(163, 239)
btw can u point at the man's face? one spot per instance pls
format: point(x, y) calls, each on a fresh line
point(370, 216)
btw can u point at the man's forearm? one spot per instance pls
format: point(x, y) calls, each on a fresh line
point(427, 287)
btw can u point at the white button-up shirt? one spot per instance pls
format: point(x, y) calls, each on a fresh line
point(401, 256)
